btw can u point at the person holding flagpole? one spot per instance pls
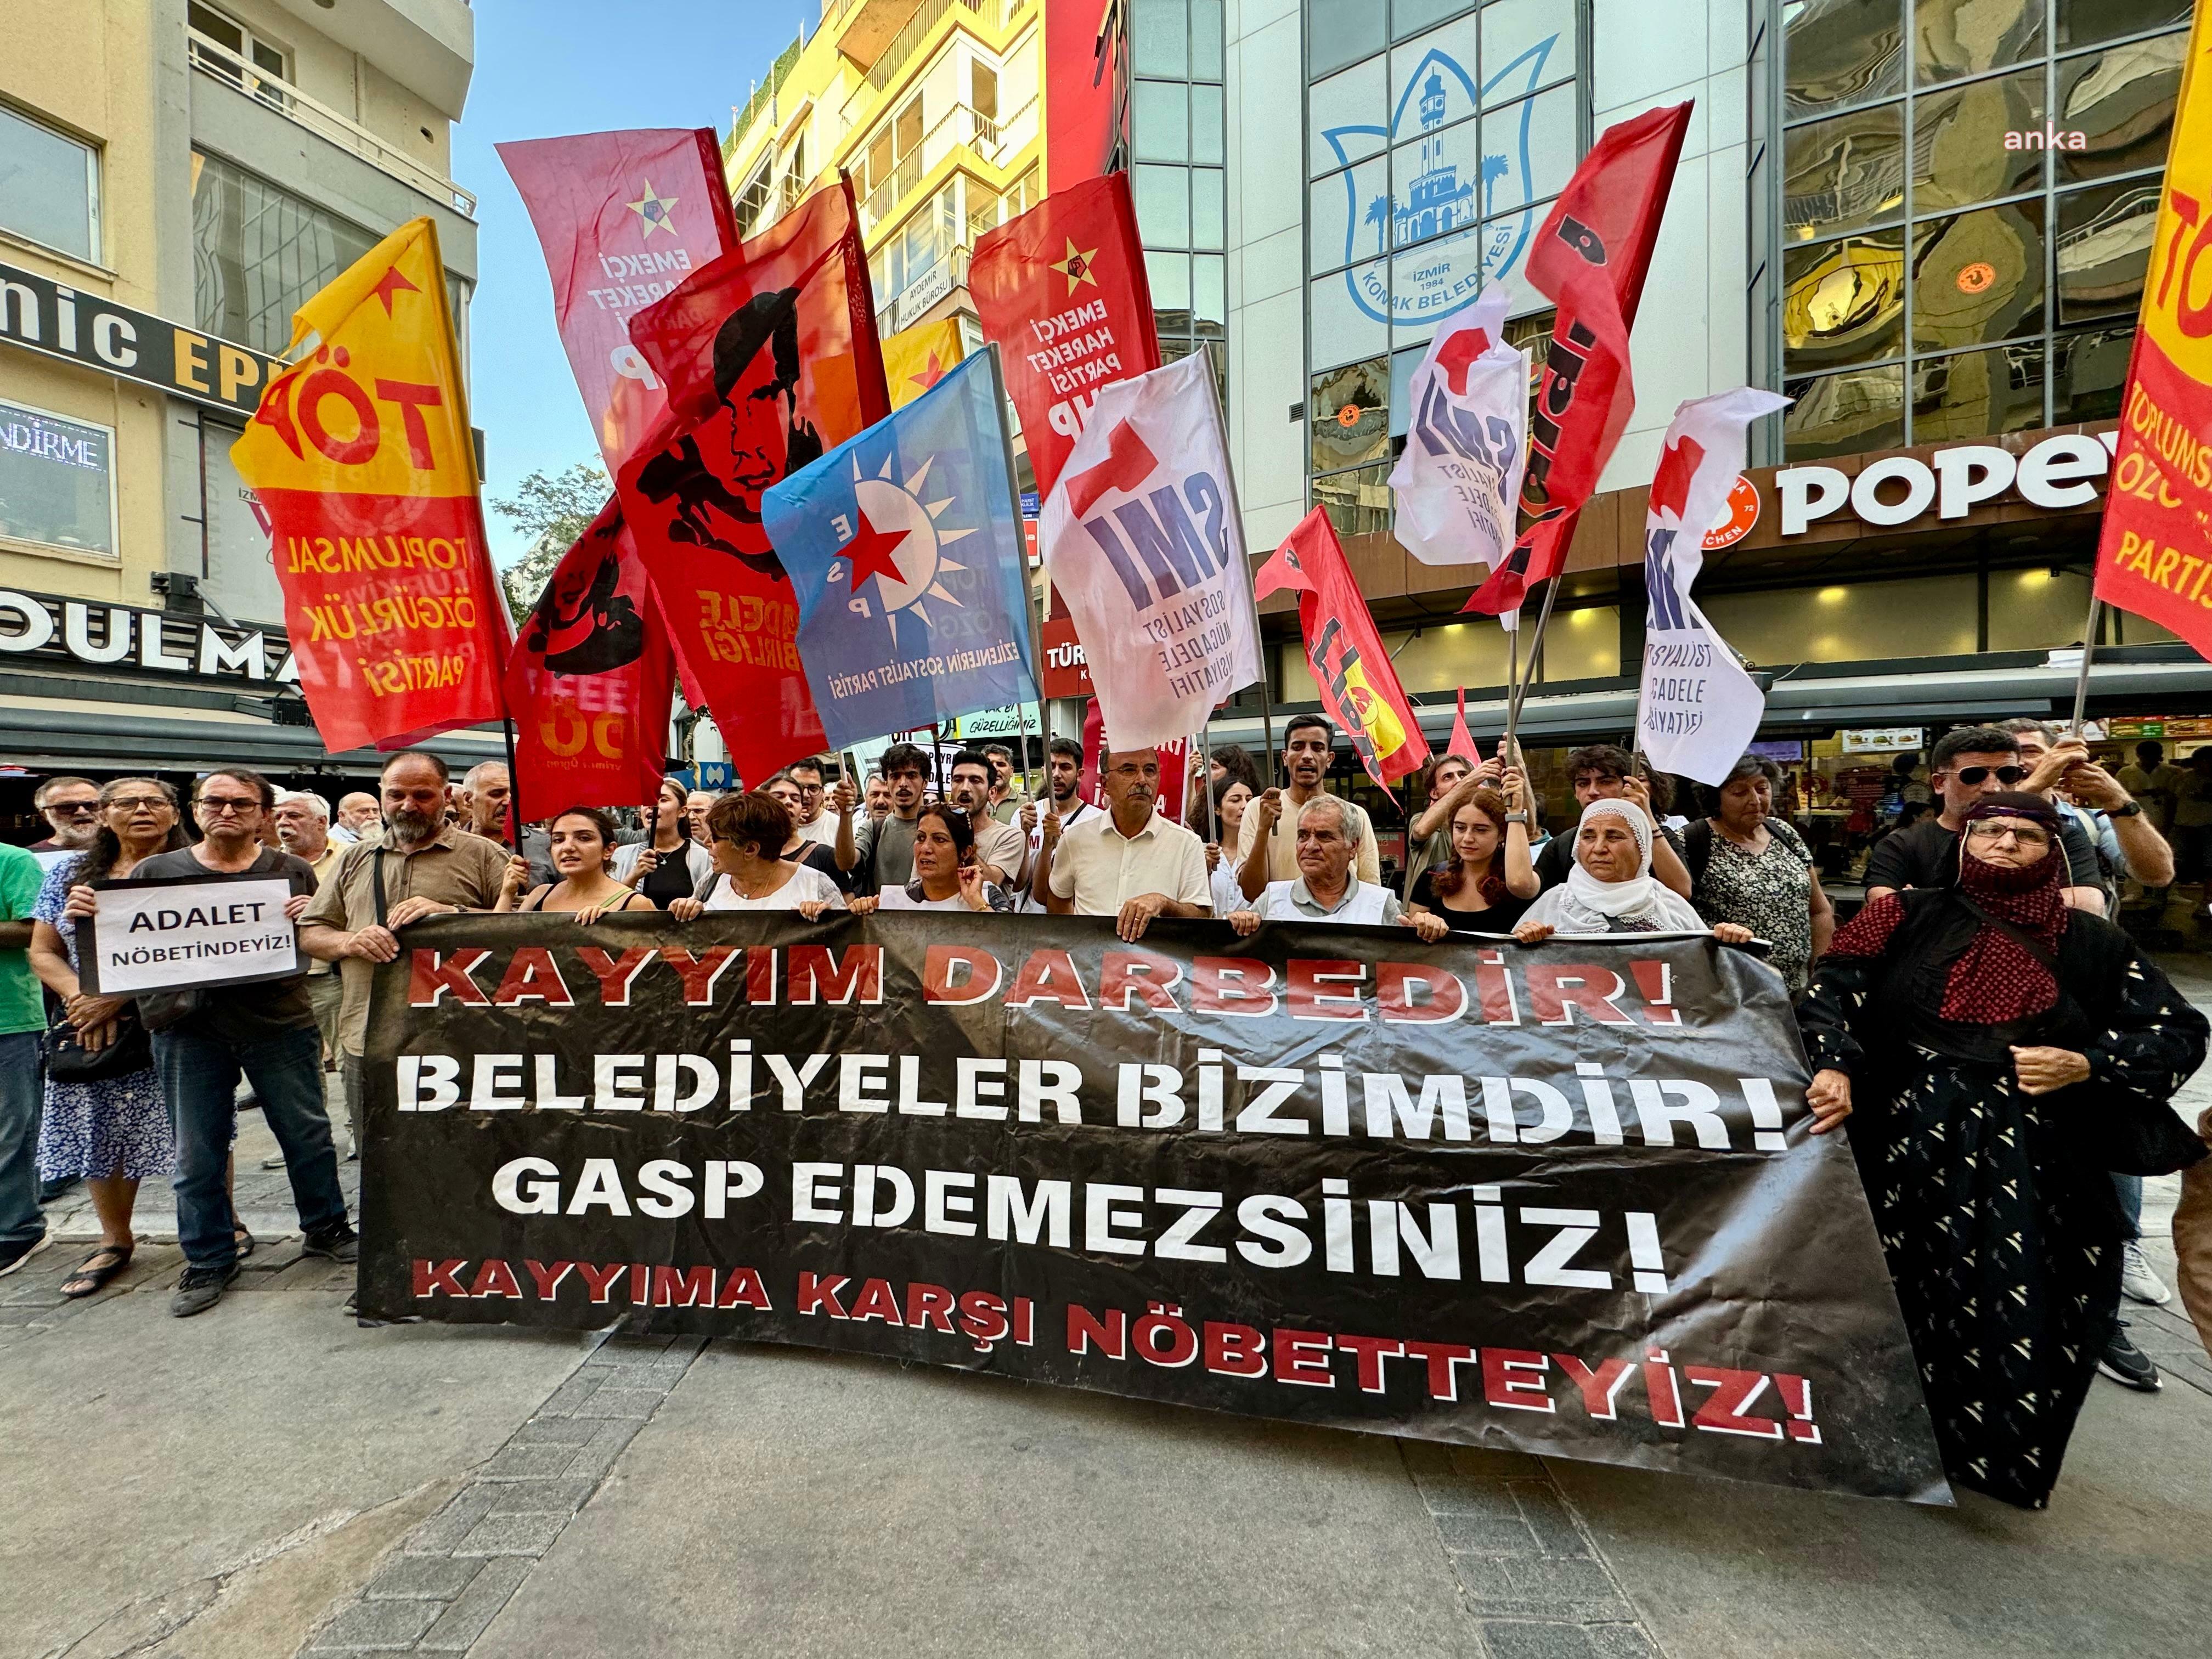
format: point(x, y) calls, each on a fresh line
point(1266, 847)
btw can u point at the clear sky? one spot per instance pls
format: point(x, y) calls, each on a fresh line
point(545, 67)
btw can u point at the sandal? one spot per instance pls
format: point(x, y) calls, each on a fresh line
point(94, 1271)
point(242, 1240)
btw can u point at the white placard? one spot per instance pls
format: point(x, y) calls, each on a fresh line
point(197, 931)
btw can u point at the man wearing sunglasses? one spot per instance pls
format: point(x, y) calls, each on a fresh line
point(70, 807)
point(1966, 764)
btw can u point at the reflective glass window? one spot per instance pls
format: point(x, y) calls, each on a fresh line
point(1841, 52)
point(50, 187)
point(1529, 149)
point(1951, 37)
point(1206, 126)
point(1209, 289)
point(1844, 301)
point(1159, 36)
point(1917, 616)
point(1843, 413)
point(1163, 206)
point(1340, 31)
point(1432, 80)
point(2119, 105)
point(1357, 503)
point(1582, 644)
point(1348, 116)
point(1432, 282)
point(259, 253)
point(2103, 248)
point(1345, 329)
point(1525, 44)
point(1436, 183)
point(1843, 172)
point(1505, 250)
point(1348, 215)
point(1999, 389)
point(2085, 23)
point(58, 481)
point(2088, 371)
point(1412, 16)
point(1169, 274)
point(1161, 121)
point(1971, 144)
point(1207, 228)
point(1348, 413)
point(1206, 39)
point(1977, 276)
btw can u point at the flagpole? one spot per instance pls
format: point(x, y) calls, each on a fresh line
point(2088, 651)
point(1521, 689)
point(1205, 752)
point(1236, 515)
point(513, 776)
point(1033, 604)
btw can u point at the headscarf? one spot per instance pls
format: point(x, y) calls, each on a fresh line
point(1639, 905)
point(1994, 979)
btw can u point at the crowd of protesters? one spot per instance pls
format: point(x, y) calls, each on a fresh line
point(2007, 1051)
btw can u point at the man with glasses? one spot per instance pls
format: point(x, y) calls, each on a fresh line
point(1966, 764)
point(204, 1038)
point(70, 807)
point(812, 822)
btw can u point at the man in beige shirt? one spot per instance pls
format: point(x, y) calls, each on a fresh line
point(1268, 847)
point(1127, 862)
point(423, 866)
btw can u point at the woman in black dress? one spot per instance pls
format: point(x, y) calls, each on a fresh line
point(2004, 1055)
point(1491, 879)
point(673, 865)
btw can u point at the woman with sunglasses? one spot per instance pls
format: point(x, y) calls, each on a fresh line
point(1967, 764)
point(2003, 1054)
point(109, 1122)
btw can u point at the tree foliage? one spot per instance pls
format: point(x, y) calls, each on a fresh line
point(552, 512)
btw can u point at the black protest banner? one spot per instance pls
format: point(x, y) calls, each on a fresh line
point(1561, 1200)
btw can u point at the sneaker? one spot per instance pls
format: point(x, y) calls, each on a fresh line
point(13, 1257)
point(200, 1289)
point(2137, 1279)
point(2127, 1364)
point(340, 1244)
point(275, 1163)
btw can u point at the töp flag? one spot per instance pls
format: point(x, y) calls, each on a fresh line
point(1699, 710)
point(2155, 555)
point(360, 455)
point(904, 547)
point(1359, 688)
point(770, 357)
point(1062, 290)
point(622, 217)
point(1458, 481)
point(1589, 259)
point(1142, 545)
point(590, 679)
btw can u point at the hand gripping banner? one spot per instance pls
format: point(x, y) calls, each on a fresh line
point(1561, 1200)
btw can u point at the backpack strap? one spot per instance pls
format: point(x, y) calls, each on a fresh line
point(1697, 850)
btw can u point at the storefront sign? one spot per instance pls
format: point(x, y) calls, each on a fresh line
point(57, 481)
point(2061, 472)
point(1881, 739)
point(47, 631)
point(1004, 725)
point(1067, 671)
point(189, 931)
point(1563, 1202)
point(925, 291)
point(61, 322)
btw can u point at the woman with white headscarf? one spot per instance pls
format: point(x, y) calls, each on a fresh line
point(1610, 888)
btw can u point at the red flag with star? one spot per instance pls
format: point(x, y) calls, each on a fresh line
point(770, 358)
point(1063, 291)
point(917, 358)
point(360, 455)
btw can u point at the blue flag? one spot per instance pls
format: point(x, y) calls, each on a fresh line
point(906, 556)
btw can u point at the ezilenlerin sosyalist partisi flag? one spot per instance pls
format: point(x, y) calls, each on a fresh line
point(1699, 710)
point(1141, 542)
point(904, 546)
point(1589, 259)
point(770, 358)
point(360, 455)
point(1359, 688)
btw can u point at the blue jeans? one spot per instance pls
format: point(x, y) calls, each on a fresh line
point(21, 1097)
point(2131, 1191)
point(199, 1075)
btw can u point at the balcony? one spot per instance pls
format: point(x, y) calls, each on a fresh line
point(864, 30)
point(220, 63)
point(994, 142)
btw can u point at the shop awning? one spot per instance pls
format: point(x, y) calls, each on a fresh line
point(53, 737)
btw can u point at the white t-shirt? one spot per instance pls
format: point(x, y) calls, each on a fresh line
point(805, 886)
point(1028, 903)
point(1102, 869)
point(824, 829)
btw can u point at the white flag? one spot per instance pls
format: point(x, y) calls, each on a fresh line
point(1699, 710)
point(1144, 546)
point(1467, 440)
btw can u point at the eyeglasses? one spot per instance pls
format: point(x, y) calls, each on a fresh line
point(2003, 774)
point(2021, 834)
point(139, 803)
point(221, 806)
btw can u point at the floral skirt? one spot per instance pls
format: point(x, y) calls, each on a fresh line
point(115, 1127)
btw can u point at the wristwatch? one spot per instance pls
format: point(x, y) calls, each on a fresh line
point(2133, 809)
point(1518, 817)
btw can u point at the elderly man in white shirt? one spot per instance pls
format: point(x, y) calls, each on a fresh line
point(1326, 888)
point(1127, 862)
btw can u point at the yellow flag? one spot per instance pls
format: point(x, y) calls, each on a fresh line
point(360, 454)
point(915, 359)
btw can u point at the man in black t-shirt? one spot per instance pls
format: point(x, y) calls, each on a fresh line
point(1605, 770)
point(1965, 765)
point(265, 1030)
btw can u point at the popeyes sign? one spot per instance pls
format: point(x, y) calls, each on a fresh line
point(2060, 472)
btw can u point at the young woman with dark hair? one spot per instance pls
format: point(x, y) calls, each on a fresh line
point(583, 846)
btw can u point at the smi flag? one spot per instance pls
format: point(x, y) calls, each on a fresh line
point(622, 217)
point(904, 546)
point(915, 359)
point(1699, 710)
point(360, 455)
point(1141, 542)
point(770, 357)
point(1458, 481)
point(1358, 688)
point(1589, 259)
point(589, 682)
point(2156, 550)
point(1063, 291)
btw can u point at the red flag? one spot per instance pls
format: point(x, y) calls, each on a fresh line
point(590, 678)
point(1062, 290)
point(1081, 76)
point(770, 358)
point(1358, 688)
point(1589, 259)
point(1461, 741)
point(623, 217)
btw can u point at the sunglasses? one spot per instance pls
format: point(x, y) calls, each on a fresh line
point(75, 809)
point(2003, 774)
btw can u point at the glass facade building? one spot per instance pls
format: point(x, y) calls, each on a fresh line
point(1177, 171)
